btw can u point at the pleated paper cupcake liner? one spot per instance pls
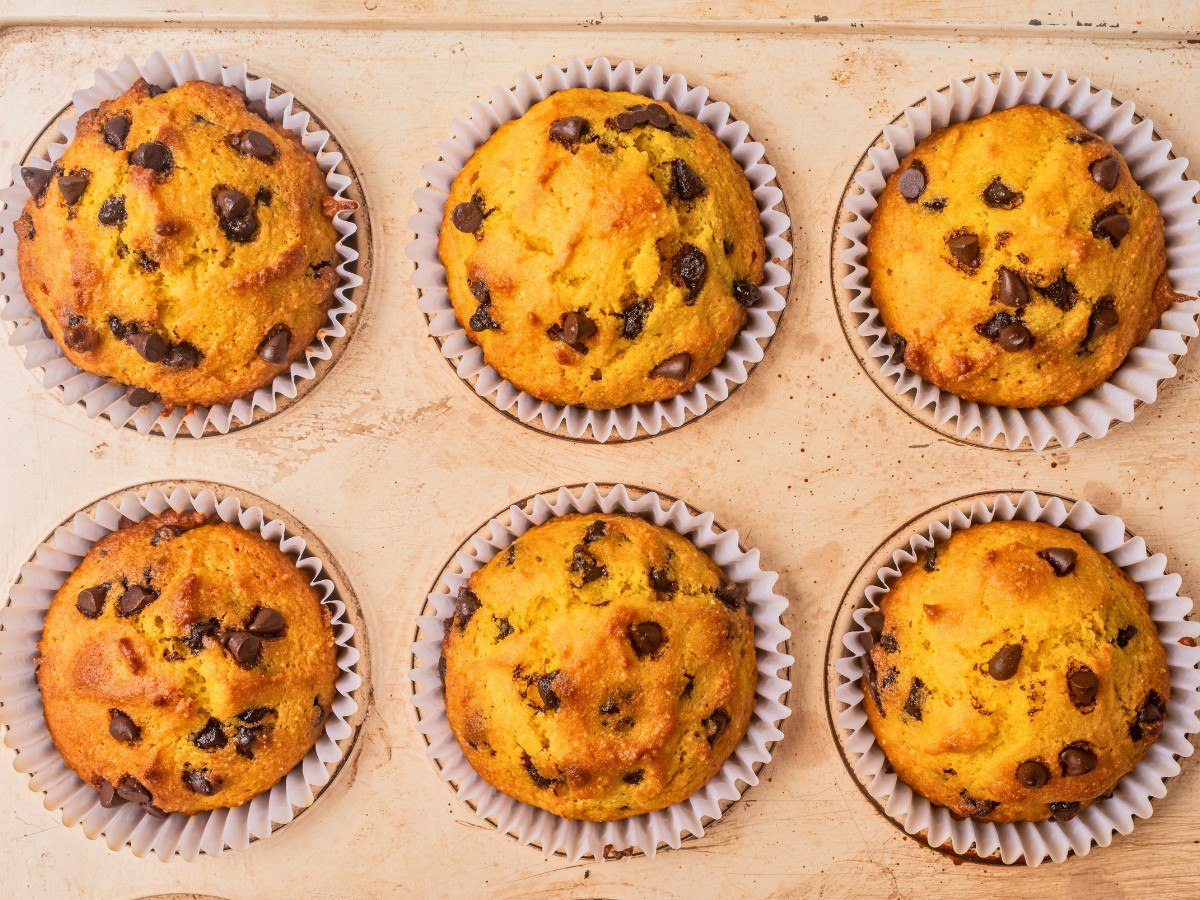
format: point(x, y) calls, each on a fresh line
point(100, 397)
point(429, 276)
point(1161, 175)
point(1032, 842)
point(75, 802)
point(648, 831)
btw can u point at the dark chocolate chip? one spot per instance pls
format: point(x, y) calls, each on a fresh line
point(154, 156)
point(538, 778)
point(467, 218)
point(731, 594)
point(112, 211)
point(133, 791)
point(140, 396)
point(685, 183)
point(199, 632)
point(746, 293)
point(1077, 759)
point(1064, 810)
point(184, 355)
point(198, 782)
point(254, 144)
point(211, 736)
point(631, 118)
point(577, 327)
point(109, 798)
point(121, 727)
point(874, 621)
point(1105, 172)
point(937, 204)
point(1032, 774)
point(1011, 289)
point(90, 601)
point(503, 629)
point(165, 533)
point(634, 777)
point(155, 90)
point(658, 116)
point(568, 131)
point(79, 334)
point(263, 196)
point(135, 599)
point(633, 318)
point(889, 644)
point(931, 558)
point(36, 180)
point(965, 248)
point(116, 129)
point(274, 347)
point(914, 705)
point(1003, 665)
point(1061, 559)
point(662, 582)
point(148, 345)
point(1153, 710)
point(912, 181)
point(595, 531)
point(1081, 137)
point(1108, 224)
point(1014, 337)
point(675, 367)
point(72, 187)
point(255, 715)
point(545, 685)
point(464, 607)
point(231, 204)
point(646, 637)
point(120, 329)
point(999, 195)
point(584, 562)
point(992, 327)
point(898, 344)
point(243, 646)
point(689, 269)
point(1082, 685)
point(976, 808)
point(243, 741)
point(609, 708)
point(259, 108)
point(1125, 635)
point(1103, 320)
point(266, 622)
point(715, 724)
point(1061, 292)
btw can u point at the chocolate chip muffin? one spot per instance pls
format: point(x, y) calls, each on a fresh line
point(1014, 259)
point(599, 668)
point(185, 665)
point(602, 249)
point(182, 245)
point(1015, 674)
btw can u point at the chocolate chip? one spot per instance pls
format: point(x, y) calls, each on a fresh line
point(1081, 137)
point(231, 204)
point(243, 647)
point(662, 582)
point(112, 211)
point(1014, 337)
point(109, 798)
point(584, 562)
point(675, 367)
point(79, 334)
point(267, 622)
point(1153, 710)
point(685, 183)
point(746, 293)
point(898, 344)
point(550, 699)
point(1011, 289)
point(1062, 560)
point(577, 327)
point(467, 218)
point(116, 129)
point(259, 108)
point(243, 741)
point(595, 531)
point(1105, 172)
point(731, 594)
point(135, 599)
point(937, 204)
point(931, 558)
point(658, 116)
point(538, 778)
point(255, 715)
point(503, 629)
point(992, 327)
point(154, 156)
point(999, 195)
point(1082, 685)
point(90, 601)
point(482, 319)
point(72, 187)
point(183, 355)
point(646, 637)
point(634, 777)
point(914, 706)
point(609, 708)
point(1125, 635)
point(889, 644)
point(133, 791)
point(148, 345)
point(631, 118)
point(254, 144)
point(274, 347)
point(1003, 665)
point(633, 318)
point(464, 607)
point(140, 396)
point(263, 196)
point(976, 808)
point(211, 736)
point(36, 180)
point(1032, 774)
point(155, 90)
point(689, 269)
point(965, 248)
point(199, 632)
point(1061, 292)
point(1064, 810)
point(874, 621)
point(714, 725)
point(121, 727)
point(1077, 759)
point(165, 533)
point(198, 782)
point(912, 181)
point(1108, 224)
point(567, 131)
point(1103, 319)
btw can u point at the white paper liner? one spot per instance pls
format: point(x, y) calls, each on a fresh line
point(576, 839)
point(99, 396)
point(1147, 364)
point(76, 802)
point(429, 276)
point(1034, 841)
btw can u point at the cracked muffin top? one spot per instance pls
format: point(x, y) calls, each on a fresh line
point(1015, 674)
point(181, 246)
point(1014, 259)
point(602, 249)
point(599, 668)
point(185, 665)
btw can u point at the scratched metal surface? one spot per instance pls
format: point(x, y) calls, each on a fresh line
point(393, 462)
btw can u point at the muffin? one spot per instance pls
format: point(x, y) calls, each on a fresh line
point(1014, 259)
point(599, 668)
point(185, 665)
point(1015, 674)
point(182, 245)
point(602, 249)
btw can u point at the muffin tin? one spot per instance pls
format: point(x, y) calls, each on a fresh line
point(394, 463)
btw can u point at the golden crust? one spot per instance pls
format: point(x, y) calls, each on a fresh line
point(593, 228)
point(550, 700)
point(168, 267)
point(167, 669)
point(957, 734)
point(935, 301)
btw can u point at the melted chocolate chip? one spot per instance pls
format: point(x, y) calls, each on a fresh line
point(992, 328)
point(1061, 292)
point(1077, 759)
point(912, 181)
point(482, 319)
point(165, 533)
point(937, 204)
point(1061, 559)
point(1108, 224)
point(90, 601)
point(1032, 774)
point(999, 195)
point(674, 367)
point(1081, 137)
point(685, 183)
point(121, 727)
point(255, 715)
point(568, 131)
point(538, 778)
point(154, 156)
point(931, 558)
point(254, 144)
point(275, 345)
point(731, 594)
point(1003, 665)
point(746, 293)
point(198, 782)
point(662, 582)
point(199, 632)
point(503, 629)
point(183, 355)
point(715, 725)
point(965, 248)
point(211, 736)
point(646, 638)
point(243, 741)
point(595, 531)
point(465, 606)
point(135, 599)
point(72, 187)
point(633, 318)
point(1064, 810)
point(550, 699)
point(1082, 685)
point(1105, 172)
point(689, 270)
point(914, 705)
point(36, 180)
point(583, 562)
point(634, 777)
point(467, 218)
point(976, 808)
point(266, 622)
point(1011, 289)
point(243, 647)
point(1125, 635)
point(112, 211)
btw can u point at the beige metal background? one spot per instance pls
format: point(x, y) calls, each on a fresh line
point(392, 462)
